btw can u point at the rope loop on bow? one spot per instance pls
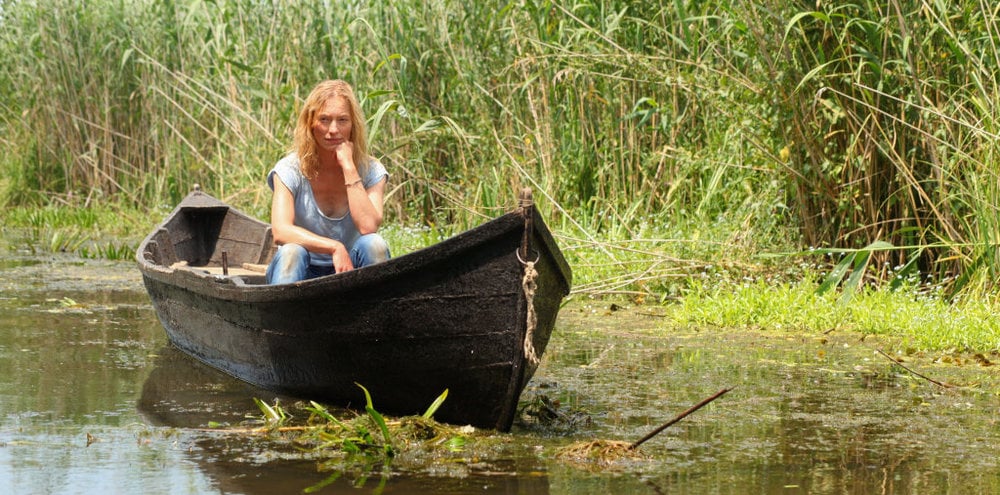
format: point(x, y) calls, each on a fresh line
point(530, 284)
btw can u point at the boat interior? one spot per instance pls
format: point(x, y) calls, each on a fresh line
point(213, 241)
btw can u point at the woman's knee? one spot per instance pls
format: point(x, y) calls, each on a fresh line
point(370, 249)
point(292, 254)
point(289, 264)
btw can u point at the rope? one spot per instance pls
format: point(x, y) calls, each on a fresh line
point(529, 283)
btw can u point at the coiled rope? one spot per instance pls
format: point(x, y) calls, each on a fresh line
point(530, 284)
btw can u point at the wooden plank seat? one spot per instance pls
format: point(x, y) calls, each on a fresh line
point(247, 273)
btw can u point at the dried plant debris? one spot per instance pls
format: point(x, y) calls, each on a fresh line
point(604, 453)
point(599, 453)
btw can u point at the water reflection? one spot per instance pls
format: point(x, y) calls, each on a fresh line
point(183, 393)
point(93, 399)
point(807, 415)
point(75, 345)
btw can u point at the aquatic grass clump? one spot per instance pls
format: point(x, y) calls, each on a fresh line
point(71, 240)
point(109, 250)
point(95, 231)
point(370, 437)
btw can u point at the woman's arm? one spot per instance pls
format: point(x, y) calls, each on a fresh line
point(365, 204)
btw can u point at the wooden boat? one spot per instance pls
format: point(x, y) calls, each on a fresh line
point(470, 315)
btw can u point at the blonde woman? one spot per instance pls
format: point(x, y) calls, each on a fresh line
point(327, 204)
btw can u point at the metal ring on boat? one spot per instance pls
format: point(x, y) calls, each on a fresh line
point(538, 256)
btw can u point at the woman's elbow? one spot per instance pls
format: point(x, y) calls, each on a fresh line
point(280, 234)
point(369, 227)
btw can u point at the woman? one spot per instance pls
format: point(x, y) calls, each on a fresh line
point(327, 203)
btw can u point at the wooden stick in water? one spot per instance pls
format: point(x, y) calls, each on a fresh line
point(901, 365)
point(678, 418)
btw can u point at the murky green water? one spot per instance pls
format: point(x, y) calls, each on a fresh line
point(93, 399)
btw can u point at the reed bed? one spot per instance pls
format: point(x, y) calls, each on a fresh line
point(663, 139)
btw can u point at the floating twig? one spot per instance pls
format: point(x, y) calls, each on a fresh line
point(897, 363)
point(654, 315)
point(678, 418)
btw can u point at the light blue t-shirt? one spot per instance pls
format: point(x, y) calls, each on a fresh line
point(307, 212)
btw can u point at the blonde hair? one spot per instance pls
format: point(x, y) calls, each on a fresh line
point(304, 142)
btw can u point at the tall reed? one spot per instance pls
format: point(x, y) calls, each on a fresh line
point(659, 134)
point(880, 105)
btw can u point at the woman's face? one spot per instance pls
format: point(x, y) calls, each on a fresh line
point(332, 124)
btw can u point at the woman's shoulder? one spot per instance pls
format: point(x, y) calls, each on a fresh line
point(375, 171)
point(288, 170)
point(289, 161)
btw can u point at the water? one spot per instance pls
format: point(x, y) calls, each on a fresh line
point(93, 399)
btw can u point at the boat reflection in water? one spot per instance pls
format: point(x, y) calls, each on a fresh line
point(189, 398)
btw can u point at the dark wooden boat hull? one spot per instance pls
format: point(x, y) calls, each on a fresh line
point(451, 316)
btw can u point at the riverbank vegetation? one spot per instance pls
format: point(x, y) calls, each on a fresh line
point(847, 145)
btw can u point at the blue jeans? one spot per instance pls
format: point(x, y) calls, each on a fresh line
point(291, 262)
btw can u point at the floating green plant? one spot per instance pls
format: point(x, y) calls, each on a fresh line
point(380, 421)
point(371, 436)
point(274, 416)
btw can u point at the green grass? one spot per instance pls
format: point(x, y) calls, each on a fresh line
point(913, 318)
